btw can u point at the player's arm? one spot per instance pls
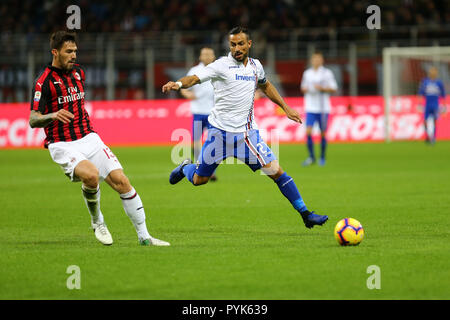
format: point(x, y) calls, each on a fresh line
point(442, 96)
point(39, 120)
point(303, 84)
point(325, 89)
point(186, 82)
point(272, 93)
point(188, 94)
point(420, 98)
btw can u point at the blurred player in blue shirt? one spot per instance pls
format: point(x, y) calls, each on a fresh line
point(202, 102)
point(432, 89)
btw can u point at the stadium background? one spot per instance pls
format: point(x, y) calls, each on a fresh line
point(130, 49)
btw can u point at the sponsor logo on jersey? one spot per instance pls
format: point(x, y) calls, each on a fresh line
point(77, 76)
point(245, 78)
point(233, 67)
point(72, 95)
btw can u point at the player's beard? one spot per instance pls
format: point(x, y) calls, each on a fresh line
point(67, 66)
point(242, 57)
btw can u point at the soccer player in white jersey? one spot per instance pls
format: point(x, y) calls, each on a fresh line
point(202, 101)
point(316, 85)
point(232, 130)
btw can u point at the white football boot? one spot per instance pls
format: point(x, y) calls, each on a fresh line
point(154, 242)
point(102, 233)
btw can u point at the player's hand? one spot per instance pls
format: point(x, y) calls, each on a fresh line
point(63, 115)
point(170, 86)
point(318, 87)
point(293, 115)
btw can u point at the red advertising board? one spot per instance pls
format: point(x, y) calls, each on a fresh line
point(147, 122)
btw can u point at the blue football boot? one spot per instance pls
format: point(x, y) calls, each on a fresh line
point(177, 174)
point(311, 219)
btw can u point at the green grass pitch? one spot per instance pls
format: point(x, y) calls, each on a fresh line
point(238, 238)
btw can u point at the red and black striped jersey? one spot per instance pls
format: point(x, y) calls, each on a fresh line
point(55, 89)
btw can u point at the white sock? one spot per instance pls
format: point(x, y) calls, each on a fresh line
point(92, 200)
point(134, 209)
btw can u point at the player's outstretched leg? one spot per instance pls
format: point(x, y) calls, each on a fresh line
point(88, 174)
point(188, 170)
point(288, 188)
point(132, 204)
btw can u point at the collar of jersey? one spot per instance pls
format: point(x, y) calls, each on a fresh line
point(318, 69)
point(57, 69)
point(230, 57)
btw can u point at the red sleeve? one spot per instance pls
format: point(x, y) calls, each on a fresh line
point(39, 96)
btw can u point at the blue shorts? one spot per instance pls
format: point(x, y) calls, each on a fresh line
point(321, 118)
point(431, 112)
point(199, 124)
point(245, 146)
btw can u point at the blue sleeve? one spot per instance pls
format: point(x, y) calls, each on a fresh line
point(441, 86)
point(422, 88)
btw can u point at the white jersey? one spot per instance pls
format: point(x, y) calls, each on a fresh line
point(316, 101)
point(204, 93)
point(234, 92)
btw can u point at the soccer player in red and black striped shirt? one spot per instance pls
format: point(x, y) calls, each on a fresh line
point(58, 106)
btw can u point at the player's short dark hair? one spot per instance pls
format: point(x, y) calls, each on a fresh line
point(240, 29)
point(58, 38)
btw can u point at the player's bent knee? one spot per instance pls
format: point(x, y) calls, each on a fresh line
point(273, 169)
point(88, 173)
point(90, 179)
point(277, 174)
point(199, 180)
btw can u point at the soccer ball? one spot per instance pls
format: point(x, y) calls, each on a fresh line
point(349, 232)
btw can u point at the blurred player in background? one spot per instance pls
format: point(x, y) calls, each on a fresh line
point(316, 85)
point(431, 88)
point(202, 102)
point(232, 131)
point(58, 107)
